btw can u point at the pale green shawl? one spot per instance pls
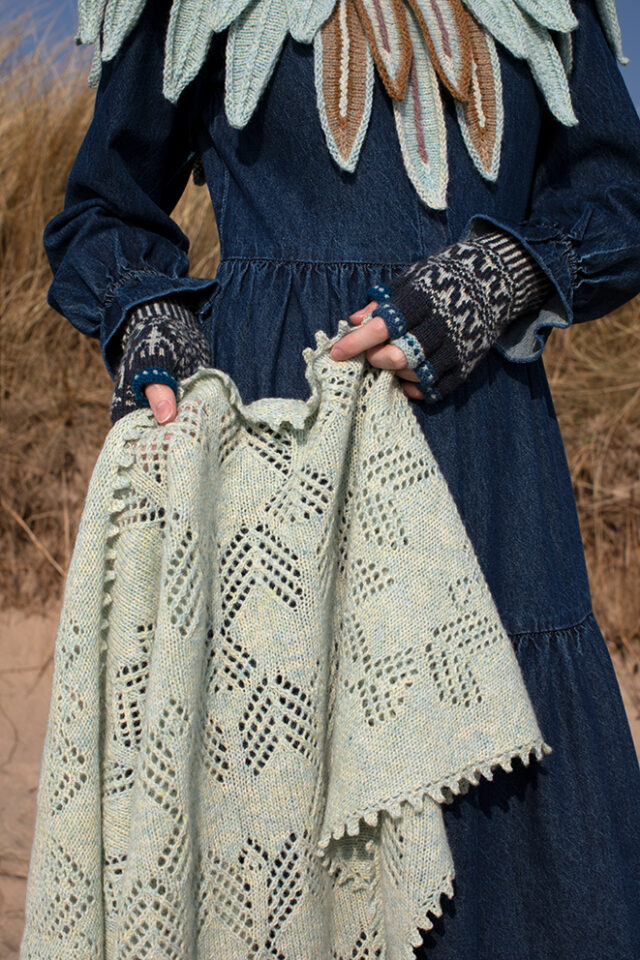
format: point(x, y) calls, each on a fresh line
point(277, 658)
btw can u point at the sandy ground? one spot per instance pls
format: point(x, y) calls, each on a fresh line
point(26, 646)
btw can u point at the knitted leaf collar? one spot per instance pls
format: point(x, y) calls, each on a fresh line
point(416, 46)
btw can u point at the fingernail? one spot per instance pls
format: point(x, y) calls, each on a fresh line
point(337, 353)
point(164, 411)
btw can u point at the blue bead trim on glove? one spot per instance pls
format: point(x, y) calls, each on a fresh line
point(412, 349)
point(427, 376)
point(393, 317)
point(379, 292)
point(151, 375)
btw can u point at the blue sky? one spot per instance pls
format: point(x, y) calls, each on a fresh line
point(60, 17)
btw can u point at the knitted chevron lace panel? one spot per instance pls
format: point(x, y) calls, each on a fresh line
point(417, 46)
point(277, 657)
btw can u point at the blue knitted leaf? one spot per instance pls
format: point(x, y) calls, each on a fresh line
point(307, 16)
point(611, 24)
point(421, 126)
point(188, 39)
point(120, 17)
point(553, 14)
point(254, 41)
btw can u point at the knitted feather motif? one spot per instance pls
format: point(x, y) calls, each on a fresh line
point(221, 13)
point(120, 17)
point(553, 14)
point(421, 127)
point(443, 25)
point(417, 46)
point(90, 17)
point(385, 25)
point(481, 116)
point(253, 44)
point(344, 76)
point(307, 16)
point(188, 37)
point(526, 39)
point(611, 24)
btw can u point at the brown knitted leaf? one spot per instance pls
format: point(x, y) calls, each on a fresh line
point(445, 25)
point(385, 25)
point(481, 116)
point(344, 78)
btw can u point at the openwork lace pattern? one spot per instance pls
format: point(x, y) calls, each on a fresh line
point(277, 657)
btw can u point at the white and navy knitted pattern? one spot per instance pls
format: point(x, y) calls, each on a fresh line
point(162, 342)
point(447, 311)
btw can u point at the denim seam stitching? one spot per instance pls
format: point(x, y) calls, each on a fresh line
point(322, 263)
point(541, 633)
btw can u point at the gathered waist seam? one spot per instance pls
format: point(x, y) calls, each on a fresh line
point(313, 263)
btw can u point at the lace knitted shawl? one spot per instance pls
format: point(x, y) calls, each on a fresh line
point(417, 47)
point(277, 657)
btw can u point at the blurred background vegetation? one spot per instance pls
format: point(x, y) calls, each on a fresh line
point(55, 391)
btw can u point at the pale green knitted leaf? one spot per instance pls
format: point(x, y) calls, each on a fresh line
point(90, 14)
point(504, 21)
point(95, 70)
point(611, 24)
point(549, 73)
point(421, 126)
point(307, 16)
point(564, 42)
point(220, 13)
point(120, 17)
point(188, 39)
point(253, 44)
point(553, 14)
point(525, 38)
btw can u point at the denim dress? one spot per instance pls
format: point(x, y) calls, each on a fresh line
point(547, 856)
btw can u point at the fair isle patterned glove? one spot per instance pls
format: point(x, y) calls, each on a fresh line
point(447, 311)
point(162, 342)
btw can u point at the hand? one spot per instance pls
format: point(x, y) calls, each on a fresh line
point(443, 314)
point(162, 343)
point(371, 338)
point(162, 401)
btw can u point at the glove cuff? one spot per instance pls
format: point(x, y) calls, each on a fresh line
point(526, 281)
point(531, 286)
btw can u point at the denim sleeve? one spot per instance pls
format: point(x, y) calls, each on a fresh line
point(115, 246)
point(583, 226)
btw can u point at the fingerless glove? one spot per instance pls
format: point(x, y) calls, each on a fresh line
point(447, 311)
point(162, 342)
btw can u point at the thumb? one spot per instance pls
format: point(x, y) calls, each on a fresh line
point(162, 401)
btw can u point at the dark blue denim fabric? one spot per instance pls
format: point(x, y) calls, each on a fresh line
point(548, 857)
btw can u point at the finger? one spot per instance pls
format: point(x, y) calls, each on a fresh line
point(369, 335)
point(359, 315)
point(411, 390)
point(162, 401)
point(387, 357)
point(406, 374)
